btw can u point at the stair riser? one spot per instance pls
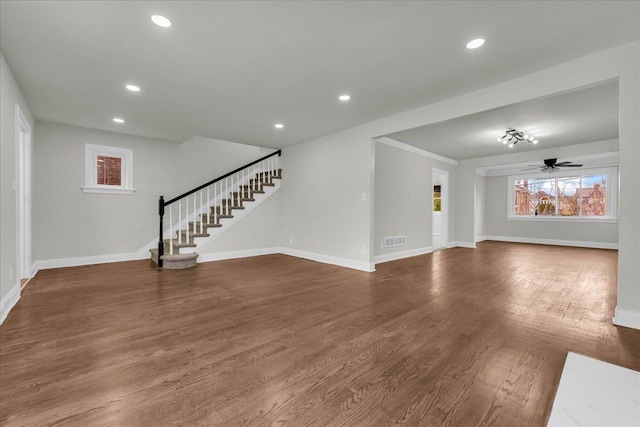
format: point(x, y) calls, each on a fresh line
point(175, 261)
point(221, 210)
point(178, 247)
point(206, 228)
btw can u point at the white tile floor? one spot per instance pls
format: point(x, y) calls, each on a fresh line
point(596, 393)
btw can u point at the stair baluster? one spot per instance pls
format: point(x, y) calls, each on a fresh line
point(186, 219)
point(170, 234)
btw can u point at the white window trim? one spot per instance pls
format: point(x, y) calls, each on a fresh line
point(91, 153)
point(612, 195)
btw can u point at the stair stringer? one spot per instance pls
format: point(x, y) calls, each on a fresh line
point(238, 215)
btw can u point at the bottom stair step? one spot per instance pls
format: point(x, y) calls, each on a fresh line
point(175, 261)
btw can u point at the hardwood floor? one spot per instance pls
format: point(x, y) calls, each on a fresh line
point(459, 337)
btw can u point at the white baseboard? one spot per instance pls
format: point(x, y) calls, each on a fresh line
point(8, 302)
point(628, 318)
point(379, 259)
point(86, 260)
point(132, 256)
point(470, 245)
point(327, 259)
point(481, 238)
point(575, 243)
point(219, 256)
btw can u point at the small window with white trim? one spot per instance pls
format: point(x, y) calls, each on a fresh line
point(108, 170)
point(565, 195)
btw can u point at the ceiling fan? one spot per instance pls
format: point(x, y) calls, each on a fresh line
point(551, 164)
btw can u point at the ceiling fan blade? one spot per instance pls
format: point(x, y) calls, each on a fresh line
point(569, 166)
point(563, 163)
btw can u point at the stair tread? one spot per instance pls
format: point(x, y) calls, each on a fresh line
point(206, 224)
point(220, 216)
point(180, 245)
point(193, 234)
point(174, 257)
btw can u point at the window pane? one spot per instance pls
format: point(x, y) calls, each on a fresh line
point(545, 196)
point(437, 198)
point(109, 170)
point(594, 195)
point(523, 198)
point(569, 196)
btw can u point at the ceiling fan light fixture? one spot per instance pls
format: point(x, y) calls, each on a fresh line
point(535, 141)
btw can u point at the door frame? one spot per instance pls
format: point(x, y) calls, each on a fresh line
point(23, 196)
point(444, 207)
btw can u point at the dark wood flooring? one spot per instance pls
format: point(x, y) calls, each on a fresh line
point(460, 337)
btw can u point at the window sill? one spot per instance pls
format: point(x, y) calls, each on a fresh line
point(108, 190)
point(562, 219)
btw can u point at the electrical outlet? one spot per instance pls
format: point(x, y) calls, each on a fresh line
point(291, 240)
point(364, 196)
point(11, 273)
point(363, 249)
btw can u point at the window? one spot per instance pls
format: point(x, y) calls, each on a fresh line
point(108, 170)
point(565, 194)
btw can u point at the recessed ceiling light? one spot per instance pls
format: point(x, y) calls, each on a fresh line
point(133, 88)
point(344, 97)
point(118, 120)
point(510, 145)
point(535, 141)
point(473, 44)
point(278, 125)
point(161, 21)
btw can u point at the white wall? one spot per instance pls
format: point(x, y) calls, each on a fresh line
point(323, 210)
point(403, 195)
point(10, 95)
point(69, 223)
point(480, 219)
point(596, 234)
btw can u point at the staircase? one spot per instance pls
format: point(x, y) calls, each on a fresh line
point(205, 212)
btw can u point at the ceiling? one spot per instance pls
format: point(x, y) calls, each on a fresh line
point(231, 70)
point(581, 116)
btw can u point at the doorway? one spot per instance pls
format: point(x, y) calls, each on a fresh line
point(440, 209)
point(23, 197)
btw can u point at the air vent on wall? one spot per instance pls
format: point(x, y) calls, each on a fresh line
point(395, 241)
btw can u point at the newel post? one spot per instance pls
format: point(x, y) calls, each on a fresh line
point(160, 238)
